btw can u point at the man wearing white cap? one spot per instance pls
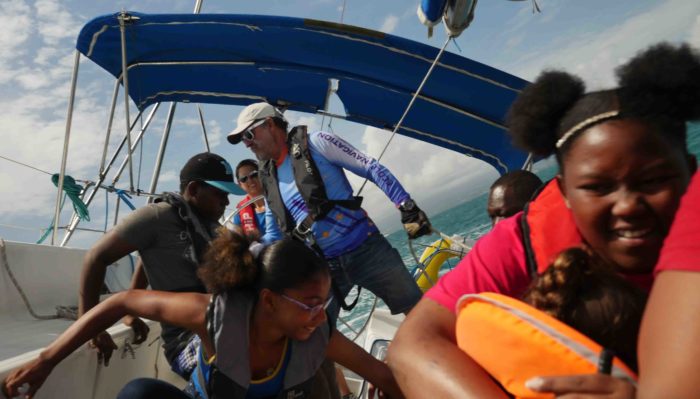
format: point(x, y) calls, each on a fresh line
point(310, 198)
point(170, 235)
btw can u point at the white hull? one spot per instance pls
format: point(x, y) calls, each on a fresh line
point(49, 277)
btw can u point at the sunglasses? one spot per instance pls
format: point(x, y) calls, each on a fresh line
point(251, 175)
point(313, 310)
point(248, 134)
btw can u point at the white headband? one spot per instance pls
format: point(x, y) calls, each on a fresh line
point(584, 125)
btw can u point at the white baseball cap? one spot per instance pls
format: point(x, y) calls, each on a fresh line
point(250, 115)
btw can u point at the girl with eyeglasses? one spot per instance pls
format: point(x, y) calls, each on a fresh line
point(263, 328)
point(251, 218)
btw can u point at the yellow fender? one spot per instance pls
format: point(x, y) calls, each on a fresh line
point(435, 262)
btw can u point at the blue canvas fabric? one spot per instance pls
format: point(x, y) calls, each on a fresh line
point(242, 59)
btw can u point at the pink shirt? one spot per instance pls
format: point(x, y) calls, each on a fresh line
point(495, 264)
point(681, 249)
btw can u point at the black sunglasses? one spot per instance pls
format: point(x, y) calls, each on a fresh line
point(251, 175)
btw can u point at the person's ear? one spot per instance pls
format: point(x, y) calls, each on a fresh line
point(267, 300)
point(562, 188)
point(192, 188)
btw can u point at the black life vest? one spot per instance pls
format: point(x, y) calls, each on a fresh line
point(308, 181)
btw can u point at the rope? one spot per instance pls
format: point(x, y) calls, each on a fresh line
point(73, 191)
point(410, 105)
point(49, 230)
point(124, 196)
point(6, 265)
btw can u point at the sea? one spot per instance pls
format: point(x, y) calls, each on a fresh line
point(469, 220)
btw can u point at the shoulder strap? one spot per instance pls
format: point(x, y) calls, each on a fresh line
point(268, 177)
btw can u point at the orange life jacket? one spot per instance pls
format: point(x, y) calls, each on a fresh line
point(548, 228)
point(515, 342)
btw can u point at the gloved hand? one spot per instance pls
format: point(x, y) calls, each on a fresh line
point(415, 222)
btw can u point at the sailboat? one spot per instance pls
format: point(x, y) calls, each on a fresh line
point(382, 80)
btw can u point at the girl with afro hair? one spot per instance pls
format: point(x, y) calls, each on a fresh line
point(623, 167)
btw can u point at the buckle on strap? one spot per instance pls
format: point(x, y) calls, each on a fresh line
point(303, 232)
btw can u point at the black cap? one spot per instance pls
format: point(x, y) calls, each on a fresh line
point(211, 169)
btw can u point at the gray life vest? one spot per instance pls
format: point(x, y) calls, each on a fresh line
point(228, 323)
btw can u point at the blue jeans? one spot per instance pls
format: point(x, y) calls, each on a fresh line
point(378, 267)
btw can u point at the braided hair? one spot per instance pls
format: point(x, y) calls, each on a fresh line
point(579, 290)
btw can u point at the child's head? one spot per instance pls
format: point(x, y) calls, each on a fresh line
point(581, 292)
point(623, 161)
point(291, 281)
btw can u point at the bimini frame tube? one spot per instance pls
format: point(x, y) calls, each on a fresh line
point(204, 128)
point(109, 126)
point(161, 150)
point(101, 178)
point(166, 131)
point(123, 16)
point(64, 159)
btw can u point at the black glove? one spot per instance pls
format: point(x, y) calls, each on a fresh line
point(415, 222)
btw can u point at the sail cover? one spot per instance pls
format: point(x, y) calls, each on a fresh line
point(289, 62)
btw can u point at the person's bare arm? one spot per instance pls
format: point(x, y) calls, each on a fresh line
point(106, 251)
point(186, 310)
point(669, 354)
point(428, 364)
point(346, 353)
point(139, 280)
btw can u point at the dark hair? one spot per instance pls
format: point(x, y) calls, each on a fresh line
point(660, 87)
point(580, 291)
point(246, 162)
point(229, 263)
point(522, 183)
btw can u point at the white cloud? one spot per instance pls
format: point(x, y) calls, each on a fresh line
point(55, 22)
point(595, 54)
point(169, 176)
point(694, 37)
point(389, 24)
point(436, 178)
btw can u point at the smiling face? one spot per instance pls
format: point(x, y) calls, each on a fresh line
point(299, 323)
point(252, 185)
point(623, 183)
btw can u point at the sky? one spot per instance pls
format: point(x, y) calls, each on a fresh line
point(588, 38)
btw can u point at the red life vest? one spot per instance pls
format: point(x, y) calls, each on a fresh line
point(248, 222)
point(548, 228)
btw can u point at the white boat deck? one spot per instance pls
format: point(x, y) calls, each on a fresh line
point(19, 335)
point(49, 277)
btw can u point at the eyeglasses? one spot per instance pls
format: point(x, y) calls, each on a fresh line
point(313, 310)
point(251, 175)
point(248, 134)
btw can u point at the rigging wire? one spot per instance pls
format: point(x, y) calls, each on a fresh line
point(342, 12)
point(410, 105)
point(24, 164)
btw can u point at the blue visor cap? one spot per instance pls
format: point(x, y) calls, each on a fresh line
point(211, 169)
point(229, 187)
